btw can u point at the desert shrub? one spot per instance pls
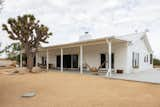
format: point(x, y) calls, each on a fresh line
point(156, 61)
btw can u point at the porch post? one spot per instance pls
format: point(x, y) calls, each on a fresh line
point(47, 59)
point(110, 59)
point(61, 59)
point(71, 61)
point(36, 59)
point(81, 59)
point(21, 59)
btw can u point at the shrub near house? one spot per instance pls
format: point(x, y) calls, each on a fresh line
point(156, 62)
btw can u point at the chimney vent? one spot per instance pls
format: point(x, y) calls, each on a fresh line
point(85, 36)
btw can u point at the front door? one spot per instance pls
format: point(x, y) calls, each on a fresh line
point(67, 61)
point(34, 61)
point(104, 58)
point(75, 61)
point(43, 60)
point(112, 61)
point(58, 61)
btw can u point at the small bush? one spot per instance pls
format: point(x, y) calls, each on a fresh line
point(156, 62)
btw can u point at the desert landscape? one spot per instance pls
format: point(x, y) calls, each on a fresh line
point(56, 89)
point(79, 53)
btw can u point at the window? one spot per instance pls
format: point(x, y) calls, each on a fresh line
point(44, 60)
point(135, 60)
point(146, 59)
point(74, 60)
point(69, 61)
point(58, 61)
point(151, 58)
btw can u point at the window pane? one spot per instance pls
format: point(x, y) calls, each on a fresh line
point(151, 58)
point(135, 60)
point(75, 61)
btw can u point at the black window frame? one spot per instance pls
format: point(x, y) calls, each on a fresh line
point(44, 62)
point(151, 58)
point(147, 58)
point(135, 59)
point(103, 55)
point(69, 61)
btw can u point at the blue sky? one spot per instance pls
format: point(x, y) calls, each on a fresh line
point(68, 19)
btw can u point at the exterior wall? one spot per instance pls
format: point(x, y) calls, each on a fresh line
point(139, 47)
point(40, 54)
point(52, 54)
point(120, 51)
point(91, 54)
point(122, 55)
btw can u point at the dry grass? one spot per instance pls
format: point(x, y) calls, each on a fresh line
point(55, 89)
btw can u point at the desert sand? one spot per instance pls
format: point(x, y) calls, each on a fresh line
point(56, 89)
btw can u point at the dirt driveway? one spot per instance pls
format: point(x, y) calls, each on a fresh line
point(55, 89)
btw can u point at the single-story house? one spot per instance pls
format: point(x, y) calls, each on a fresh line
point(128, 53)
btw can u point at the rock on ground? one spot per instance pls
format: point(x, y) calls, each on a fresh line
point(29, 94)
point(36, 69)
point(21, 70)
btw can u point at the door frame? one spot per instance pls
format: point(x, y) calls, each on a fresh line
point(107, 60)
point(58, 57)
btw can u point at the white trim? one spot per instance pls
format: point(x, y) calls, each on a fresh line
point(21, 59)
point(47, 60)
point(81, 59)
point(61, 59)
point(109, 59)
point(71, 61)
point(84, 43)
point(36, 59)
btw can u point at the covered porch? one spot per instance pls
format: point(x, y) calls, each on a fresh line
point(75, 56)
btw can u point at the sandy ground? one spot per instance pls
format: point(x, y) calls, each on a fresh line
point(55, 89)
point(5, 62)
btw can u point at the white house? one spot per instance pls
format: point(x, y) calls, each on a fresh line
point(129, 53)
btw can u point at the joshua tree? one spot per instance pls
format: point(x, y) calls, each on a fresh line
point(29, 32)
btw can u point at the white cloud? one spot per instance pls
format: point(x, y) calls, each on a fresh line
point(68, 19)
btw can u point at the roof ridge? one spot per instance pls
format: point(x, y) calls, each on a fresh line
point(129, 34)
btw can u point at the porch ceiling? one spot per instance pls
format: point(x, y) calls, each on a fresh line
point(84, 43)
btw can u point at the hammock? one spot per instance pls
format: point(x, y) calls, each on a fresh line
point(94, 69)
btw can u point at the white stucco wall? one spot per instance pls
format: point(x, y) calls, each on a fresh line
point(120, 51)
point(122, 54)
point(52, 54)
point(139, 47)
point(40, 54)
point(91, 54)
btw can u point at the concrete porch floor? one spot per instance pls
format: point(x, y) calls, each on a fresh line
point(78, 72)
point(150, 76)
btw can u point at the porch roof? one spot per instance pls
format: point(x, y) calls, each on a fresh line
point(103, 40)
